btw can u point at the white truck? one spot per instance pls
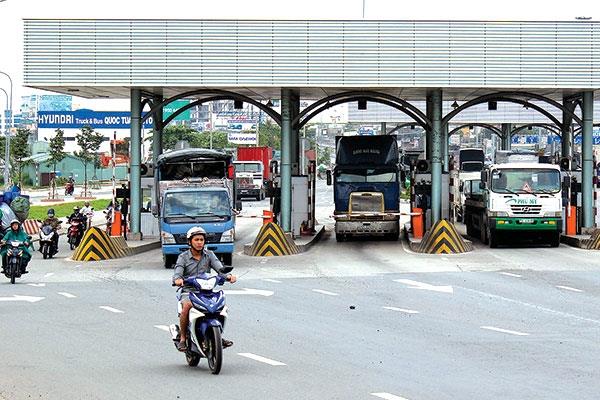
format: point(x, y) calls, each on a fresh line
point(517, 200)
point(249, 179)
point(468, 167)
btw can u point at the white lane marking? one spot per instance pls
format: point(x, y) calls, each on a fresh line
point(36, 284)
point(162, 327)
point(49, 274)
point(67, 295)
point(78, 265)
point(271, 280)
point(572, 289)
point(404, 310)
point(261, 359)
point(263, 262)
point(388, 396)
point(493, 328)
point(325, 292)
point(445, 258)
point(16, 297)
point(535, 306)
point(425, 286)
point(113, 310)
point(511, 274)
point(258, 292)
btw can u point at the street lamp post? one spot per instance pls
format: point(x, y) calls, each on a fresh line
point(10, 122)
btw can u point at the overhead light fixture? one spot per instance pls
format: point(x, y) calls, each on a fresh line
point(238, 104)
point(362, 104)
point(454, 105)
point(470, 127)
point(529, 127)
point(269, 103)
point(72, 90)
point(412, 126)
point(492, 105)
point(526, 105)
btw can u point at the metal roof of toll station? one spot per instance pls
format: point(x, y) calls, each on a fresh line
point(317, 58)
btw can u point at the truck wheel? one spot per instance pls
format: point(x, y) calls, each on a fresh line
point(492, 238)
point(554, 239)
point(169, 260)
point(228, 259)
point(483, 234)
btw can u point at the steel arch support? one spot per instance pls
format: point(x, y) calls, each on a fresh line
point(492, 128)
point(548, 127)
point(227, 95)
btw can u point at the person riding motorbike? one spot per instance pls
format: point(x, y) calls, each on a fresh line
point(55, 224)
point(198, 259)
point(16, 233)
point(76, 215)
point(88, 212)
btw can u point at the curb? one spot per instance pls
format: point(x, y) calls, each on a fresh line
point(301, 247)
point(151, 245)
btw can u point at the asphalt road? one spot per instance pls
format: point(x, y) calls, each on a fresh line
point(352, 320)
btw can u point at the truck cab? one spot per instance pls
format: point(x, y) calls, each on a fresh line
point(516, 200)
point(186, 207)
point(249, 179)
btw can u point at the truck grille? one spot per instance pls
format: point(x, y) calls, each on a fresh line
point(526, 210)
point(366, 202)
point(211, 237)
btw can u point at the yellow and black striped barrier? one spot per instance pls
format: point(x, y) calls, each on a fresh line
point(593, 243)
point(96, 245)
point(443, 238)
point(271, 241)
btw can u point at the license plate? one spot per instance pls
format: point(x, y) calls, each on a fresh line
point(526, 221)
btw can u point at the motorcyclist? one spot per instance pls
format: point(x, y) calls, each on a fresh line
point(88, 212)
point(76, 215)
point(191, 263)
point(55, 224)
point(16, 233)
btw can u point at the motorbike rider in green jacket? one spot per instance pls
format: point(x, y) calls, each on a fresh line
point(16, 233)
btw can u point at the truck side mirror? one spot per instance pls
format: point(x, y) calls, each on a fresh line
point(461, 187)
point(154, 210)
point(403, 178)
point(238, 205)
point(328, 178)
point(481, 185)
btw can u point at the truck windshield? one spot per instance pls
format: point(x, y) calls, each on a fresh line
point(530, 180)
point(471, 166)
point(245, 167)
point(366, 175)
point(196, 204)
point(179, 170)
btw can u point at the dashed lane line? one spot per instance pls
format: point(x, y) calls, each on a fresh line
point(261, 359)
point(501, 330)
point(49, 274)
point(403, 310)
point(67, 295)
point(572, 289)
point(36, 284)
point(271, 280)
point(113, 310)
point(325, 292)
point(511, 274)
point(388, 396)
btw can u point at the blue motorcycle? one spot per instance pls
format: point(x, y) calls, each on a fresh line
point(206, 320)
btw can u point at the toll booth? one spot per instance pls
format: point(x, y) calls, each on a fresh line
point(420, 197)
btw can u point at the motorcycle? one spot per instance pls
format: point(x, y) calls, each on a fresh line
point(13, 259)
point(74, 233)
point(47, 246)
point(69, 189)
point(206, 320)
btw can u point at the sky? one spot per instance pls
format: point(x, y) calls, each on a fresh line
point(13, 11)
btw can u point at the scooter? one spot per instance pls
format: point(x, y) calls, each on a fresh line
point(74, 233)
point(13, 259)
point(69, 189)
point(47, 247)
point(206, 322)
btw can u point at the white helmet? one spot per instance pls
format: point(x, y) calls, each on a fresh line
point(196, 230)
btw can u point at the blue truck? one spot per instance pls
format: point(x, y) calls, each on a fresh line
point(194, 187)
point(366, 187)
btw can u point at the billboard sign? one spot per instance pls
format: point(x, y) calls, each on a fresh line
point(242, 137)
point(79, 118)
point(173, 106)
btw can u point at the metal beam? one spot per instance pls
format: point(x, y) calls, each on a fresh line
point(506, 136)
point(566, 140)
point(287, 96)
point(587, 153)
point(157, 135)
point(135, 181)
point(435, 107)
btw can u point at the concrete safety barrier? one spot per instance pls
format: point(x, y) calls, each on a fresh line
point(96, 245)
point(593, 243)
point(271, 241)
point(443, 238)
